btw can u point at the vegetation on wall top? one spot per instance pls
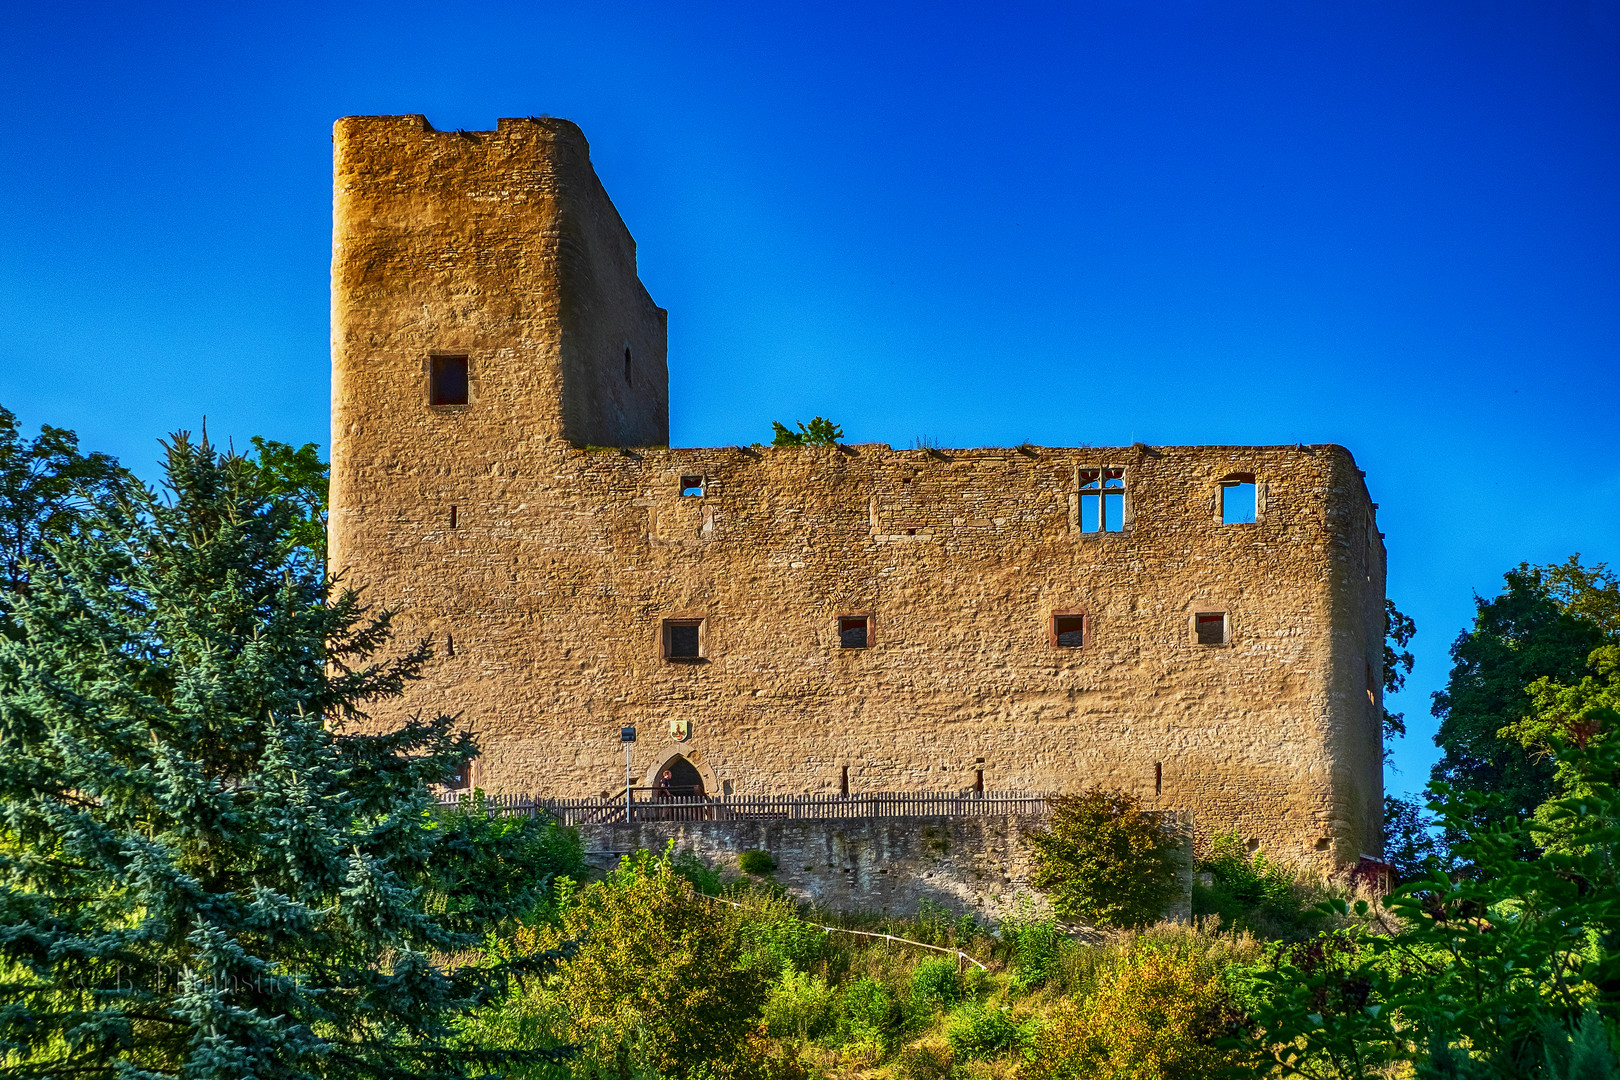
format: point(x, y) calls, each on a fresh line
point(819, 432)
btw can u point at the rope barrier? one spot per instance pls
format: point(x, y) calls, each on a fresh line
point(958, 953)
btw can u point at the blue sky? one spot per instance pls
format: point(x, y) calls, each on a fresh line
point(1394, 226)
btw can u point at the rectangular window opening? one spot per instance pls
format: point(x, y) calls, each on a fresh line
point(1102, 500)
point(853, 632)
point(691, 487)
point(1113, 513)
point(1069, 631)
point(627, 380)
point(1237, 499)
point(452, 517)
point(1211, 627)
point(1158, 778)
point(447, 382)
point(683, 639)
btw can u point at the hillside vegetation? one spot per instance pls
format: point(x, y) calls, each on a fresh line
point(210, 870)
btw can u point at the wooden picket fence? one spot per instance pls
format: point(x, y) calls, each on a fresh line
point(809, 807)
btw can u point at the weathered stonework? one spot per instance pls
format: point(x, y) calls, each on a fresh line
point(572, 544)
point(970, 865)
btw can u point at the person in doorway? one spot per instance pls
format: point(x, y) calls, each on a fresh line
point(665, 792)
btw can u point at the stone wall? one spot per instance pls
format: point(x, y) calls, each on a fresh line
point(545, 571)
point(977, 865)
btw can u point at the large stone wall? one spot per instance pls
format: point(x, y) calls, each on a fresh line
point(970, 865)
point(546, 589)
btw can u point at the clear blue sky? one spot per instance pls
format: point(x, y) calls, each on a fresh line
point(1393, 226)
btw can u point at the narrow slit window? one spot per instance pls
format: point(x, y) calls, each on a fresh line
point(691, 487)
point(447, 382)
point(450, 645)
point(1069, 631)
point(1211, 627)
point(453, 517)
point(683, 639)
point(1372, 687)
point(1158, 778)
point(1102, 500)
point(1237, 499)
point(854, 631)
point(628, 381)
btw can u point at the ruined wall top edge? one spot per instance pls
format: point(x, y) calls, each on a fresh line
point(419, 124)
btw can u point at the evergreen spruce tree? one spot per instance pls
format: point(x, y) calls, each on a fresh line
point(206, 869)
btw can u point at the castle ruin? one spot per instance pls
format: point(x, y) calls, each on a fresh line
point(1202, 626)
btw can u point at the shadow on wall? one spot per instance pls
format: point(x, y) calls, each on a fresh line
point(977, 865)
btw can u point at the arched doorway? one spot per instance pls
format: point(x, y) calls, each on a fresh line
point(679, 778)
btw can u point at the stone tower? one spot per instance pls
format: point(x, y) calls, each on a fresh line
point(457, 252)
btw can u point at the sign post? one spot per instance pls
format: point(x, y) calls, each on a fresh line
point(627, 735)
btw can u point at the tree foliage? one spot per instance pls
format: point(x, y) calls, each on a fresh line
point(1159, 1012)
point(660, 975)
point(1105, 860)
point(207, 869)
point(48, 490)
point(1409, 838)
point(1544, 625)
point(489, 868)
point(1399, 630)
point(1487, 974)
point(301, 479)
point(819, 432)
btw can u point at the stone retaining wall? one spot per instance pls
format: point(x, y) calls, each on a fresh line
point(968, 864)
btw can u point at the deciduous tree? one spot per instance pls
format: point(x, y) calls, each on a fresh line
point(1539, 626)
point(48, 489)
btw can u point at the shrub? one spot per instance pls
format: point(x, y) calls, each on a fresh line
point(1492, 970)
point(934, 923)
point(496, 864)
point(936, 984)
point(868, 1013)
point(773, 935)
point(1253, 891)
point(756, 862)
point(1155, 1011)
point(689, 865)
point(661, 974)
point(925, 1061)
point(977, 1030)
point(799, 1006)
point(1106, 861)
point(1034, 945)
point(821, 432)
